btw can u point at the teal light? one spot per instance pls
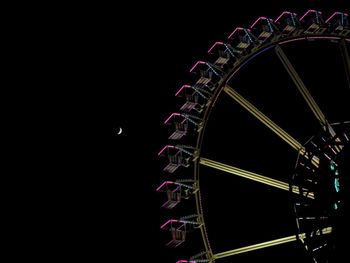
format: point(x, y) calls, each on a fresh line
point(336, 185)
point(332, 166)
point(335, 206)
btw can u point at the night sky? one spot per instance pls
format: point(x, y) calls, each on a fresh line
point(131, 67)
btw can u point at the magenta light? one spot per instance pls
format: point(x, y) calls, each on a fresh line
point(165, 183)
point(292, 40)
point(332, 150)
point(323, 37)
point(311, 10)
point(285, 12)
point(335, 13)
point(173, 114)
point(183, 86)
point(237, 28)
point(234, 73)
point(256, 21)
point(311, 37)
point(215, 44)
point(329, 158)
point(195, 65)
point(168, 222)
point(165, 147)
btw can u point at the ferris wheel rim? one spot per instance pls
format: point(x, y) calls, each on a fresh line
point(224, 81)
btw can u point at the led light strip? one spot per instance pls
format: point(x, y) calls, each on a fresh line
point(268, 122)
point(251, 176)
point(303, 90)
point(265, 244)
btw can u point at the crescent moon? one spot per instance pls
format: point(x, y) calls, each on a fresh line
point(120, 130)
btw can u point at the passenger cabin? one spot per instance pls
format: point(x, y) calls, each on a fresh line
point(179, 155)
point(225, 54)
point(183, 124)
point(287, 22)
point(241, 38)
point(209, 75)
point(263, 28)
point(177, 230)
point(174, 192)
point(339, 23)
point(196, 98)
point(313, 22)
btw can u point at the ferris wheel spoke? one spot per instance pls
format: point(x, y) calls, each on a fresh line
point(264, 119)
point(266, 244)
point(269, 123)
point(346, 59)
point(303, 90)
point(252, 176)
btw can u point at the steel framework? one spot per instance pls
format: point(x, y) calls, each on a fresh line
point(242, 46)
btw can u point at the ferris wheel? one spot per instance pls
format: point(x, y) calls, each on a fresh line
point(252, 123)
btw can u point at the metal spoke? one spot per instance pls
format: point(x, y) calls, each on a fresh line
point(251, 176)
point(264, 119)
point(303, 90)
point(268, 122)
point(270, 243)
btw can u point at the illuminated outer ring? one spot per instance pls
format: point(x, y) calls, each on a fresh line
point(224, 80)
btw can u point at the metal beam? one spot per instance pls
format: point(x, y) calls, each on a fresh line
point(269, 123)
point(265, 244)
point(251, 176)
point(303, 90)
point(264, 119)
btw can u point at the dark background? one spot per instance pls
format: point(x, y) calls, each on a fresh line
point(124, 65)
